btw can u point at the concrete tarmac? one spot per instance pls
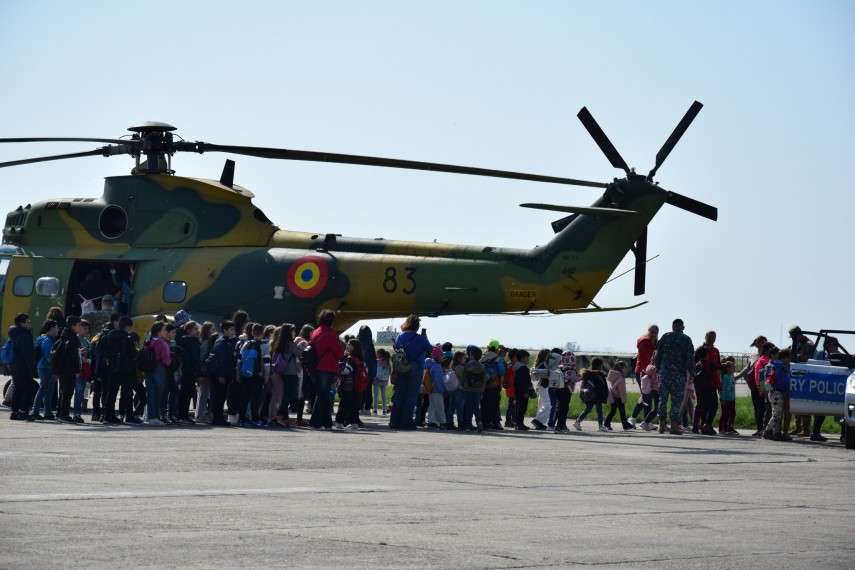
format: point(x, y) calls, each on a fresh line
point(199, 497)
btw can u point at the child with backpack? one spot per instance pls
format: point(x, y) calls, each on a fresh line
point(353, 381)
point(66, 364)
point(455, 361)
point(43, 348)
point(494, 367)
point(777, 388)
point(285, 374)
point(594, 393)
point(563, 393)
point(436, 375)
point(86, 372)
point(153, 360)
point(617, 390)
point(473, 378)
point(540, 379)
point(249, 377)
point(649, 397)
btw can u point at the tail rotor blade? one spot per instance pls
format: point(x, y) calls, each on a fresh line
point(675, 136)
point(693, 206)
point(602, 140)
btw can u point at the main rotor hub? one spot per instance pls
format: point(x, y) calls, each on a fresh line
point(157, 146)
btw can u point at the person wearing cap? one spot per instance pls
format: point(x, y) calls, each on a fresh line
point(749, 376)
point(435, 378)
point(674, 361)
point(805, 351)
point(107, 303)
point(491, 399)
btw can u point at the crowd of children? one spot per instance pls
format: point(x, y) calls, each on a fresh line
point(254, 375)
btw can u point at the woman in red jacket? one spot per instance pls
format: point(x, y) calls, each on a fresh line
point(329, 352)
point(646, 345)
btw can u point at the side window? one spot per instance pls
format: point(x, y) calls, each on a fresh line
point(48, 286)
point(175, 291)
point(4, 267)
point(23, 285)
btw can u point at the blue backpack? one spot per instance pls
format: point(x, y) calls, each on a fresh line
point(250, 359)
point(7, 353)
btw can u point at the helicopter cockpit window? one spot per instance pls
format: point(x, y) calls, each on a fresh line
point(47, 286)
point(175, 291)
point(23, 285)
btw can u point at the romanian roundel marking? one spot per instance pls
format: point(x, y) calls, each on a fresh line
point(307, 276)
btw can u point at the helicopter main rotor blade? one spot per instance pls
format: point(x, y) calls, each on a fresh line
point(66, 139)
point(602, 140)
point(95, 152)
point(312, 156)
point(675, 136)
point(693, 206)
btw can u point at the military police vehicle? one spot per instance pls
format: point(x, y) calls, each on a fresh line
point(824, 385)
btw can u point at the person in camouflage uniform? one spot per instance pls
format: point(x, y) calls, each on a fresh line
point(674, 359)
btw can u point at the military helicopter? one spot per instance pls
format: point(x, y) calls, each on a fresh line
point(191, 243)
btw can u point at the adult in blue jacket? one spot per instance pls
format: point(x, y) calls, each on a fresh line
point(23, 367)
point(407, 384)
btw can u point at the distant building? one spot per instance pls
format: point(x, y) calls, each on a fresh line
point(386, 336)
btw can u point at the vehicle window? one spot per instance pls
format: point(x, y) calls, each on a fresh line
point(23, 285)
point(174, 291)
point(48, 286)
point(4, 267)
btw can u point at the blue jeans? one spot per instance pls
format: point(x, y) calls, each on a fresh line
point(471, 405)
point(79, 391)
point(321, 416)
point(290, 382)
point(404, 399)
point(588, 409)
point(45, 394)
point(379, 395)
point(170, 396)
point(155, 386)
point(455, 406)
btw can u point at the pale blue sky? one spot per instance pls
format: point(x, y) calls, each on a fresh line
point(495, 85)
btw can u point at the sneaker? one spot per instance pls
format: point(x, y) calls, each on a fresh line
point(173, 420)
point(538, 424)
point(374, 411)
point(602, 428)
point(353, 427)
point(480, 427)
point(384, 412)
point(155, 422)
point(521, 427)
point(498, 427)
point(25, 417)
point(608, 427)
point(696, 430)
point(339, 425)
point(133, 420)
point(322, 428)
point(818, 437)
point(232, 418)
point(50, 417)
point(557, 430)
point(708, 430)
point(187, 422)
point(78, 420)
point(203, 420)
point(241, 423)
point(65, 419)
point(221, 423)
point(631, 421)
point(578, 425)
point(299, 423)
point(257, 424)
point(36, 416)
point(646, 426)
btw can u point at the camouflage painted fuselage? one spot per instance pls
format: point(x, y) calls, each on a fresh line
point(230, 256)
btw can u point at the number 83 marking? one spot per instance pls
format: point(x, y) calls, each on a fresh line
point(390, 281)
